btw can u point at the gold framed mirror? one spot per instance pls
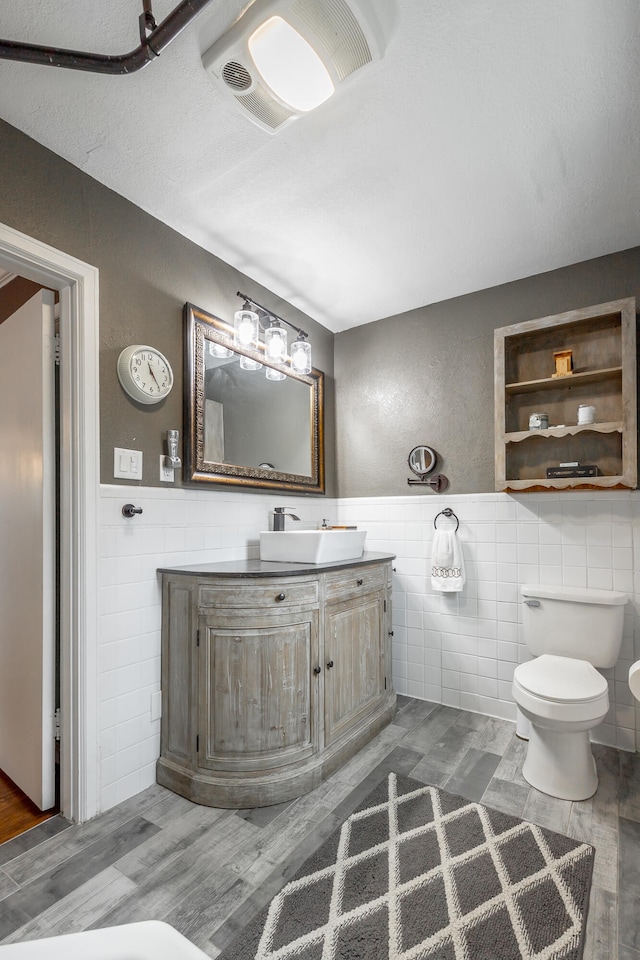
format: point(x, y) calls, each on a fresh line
point(241, 427)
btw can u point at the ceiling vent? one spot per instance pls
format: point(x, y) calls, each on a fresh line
point(284, 57)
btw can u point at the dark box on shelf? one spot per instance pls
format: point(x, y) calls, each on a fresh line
point(565, 473)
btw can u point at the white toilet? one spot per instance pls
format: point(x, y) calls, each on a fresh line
point(570, 631)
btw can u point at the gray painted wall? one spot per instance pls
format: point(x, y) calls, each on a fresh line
point(147, 273)
point(427, 377)
point(423, 377)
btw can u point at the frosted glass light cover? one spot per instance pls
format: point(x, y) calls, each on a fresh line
point(275, 342)
point(247, 363)
point(219, 351)
point(289, 65)
point(245, 328)
point(273, 374)
point(301, 356)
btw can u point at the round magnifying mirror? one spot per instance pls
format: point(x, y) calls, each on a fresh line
point(422, 460)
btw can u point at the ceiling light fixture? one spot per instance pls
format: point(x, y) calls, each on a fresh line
point(283, 58)
point(247, 325)
point(289, 65)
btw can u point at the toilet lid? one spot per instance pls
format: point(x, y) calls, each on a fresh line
point(561, 678)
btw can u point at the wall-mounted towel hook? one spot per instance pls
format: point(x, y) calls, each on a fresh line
point(447, 512)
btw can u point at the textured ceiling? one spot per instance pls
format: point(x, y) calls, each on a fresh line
point(495, 140)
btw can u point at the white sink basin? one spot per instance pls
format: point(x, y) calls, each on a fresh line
point(311, 546)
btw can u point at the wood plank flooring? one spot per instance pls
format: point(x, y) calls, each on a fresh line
point(207, 871)
point(17, 812)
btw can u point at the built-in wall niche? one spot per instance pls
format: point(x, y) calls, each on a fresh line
point(596, 347)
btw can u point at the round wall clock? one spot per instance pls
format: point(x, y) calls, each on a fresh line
point(144, 373)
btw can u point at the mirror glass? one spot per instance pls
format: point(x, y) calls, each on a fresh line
point(242, 427)
point(422, 460)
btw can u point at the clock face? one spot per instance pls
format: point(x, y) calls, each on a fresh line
point(144, 373)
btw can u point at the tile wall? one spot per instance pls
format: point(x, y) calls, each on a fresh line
point(461, 649)
point(458, 649)
point(177, 527)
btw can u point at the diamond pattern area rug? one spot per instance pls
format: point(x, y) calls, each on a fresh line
point(417, 873)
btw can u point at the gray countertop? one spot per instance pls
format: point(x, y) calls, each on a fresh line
point(269, 568)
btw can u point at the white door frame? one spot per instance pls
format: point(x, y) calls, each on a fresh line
point(77, 283)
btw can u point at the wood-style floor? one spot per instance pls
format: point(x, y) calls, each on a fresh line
point(17, 812)
point(208, 871)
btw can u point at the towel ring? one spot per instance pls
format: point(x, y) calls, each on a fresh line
point(447, 512)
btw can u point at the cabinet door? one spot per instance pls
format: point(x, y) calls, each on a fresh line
point(355, 681)
point(257, 699)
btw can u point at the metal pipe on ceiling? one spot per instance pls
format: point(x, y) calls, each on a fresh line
point(154, 38)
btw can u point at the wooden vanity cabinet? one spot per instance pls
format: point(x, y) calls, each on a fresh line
point(270, 683)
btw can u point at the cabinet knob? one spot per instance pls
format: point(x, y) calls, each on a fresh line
point(280, 596)
point(390, 633)
point(317, 669)
point(329, 664)
point(359, 582)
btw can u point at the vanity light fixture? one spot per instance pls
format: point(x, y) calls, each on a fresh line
point(246, 328)
point(275, 347)
point(247, 325)
point(219, 351)
point(283, 58)
point(246, 363)
point(275, 341)
point(301, 354)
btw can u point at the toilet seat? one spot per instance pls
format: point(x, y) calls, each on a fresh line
point(561, 679)
point(560, 690)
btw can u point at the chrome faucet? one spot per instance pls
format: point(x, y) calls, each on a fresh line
point(279, 513)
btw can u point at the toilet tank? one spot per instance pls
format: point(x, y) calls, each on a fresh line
point(573, 622)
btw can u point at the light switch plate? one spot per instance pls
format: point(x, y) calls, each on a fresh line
point(127, 464)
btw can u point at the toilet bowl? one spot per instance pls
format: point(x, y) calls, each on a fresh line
point(570, 631)
point(563, 699)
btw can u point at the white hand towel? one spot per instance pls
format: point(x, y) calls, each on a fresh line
point(447, 562)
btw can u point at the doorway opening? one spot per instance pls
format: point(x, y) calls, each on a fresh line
point(76, 284)
point(29, 555)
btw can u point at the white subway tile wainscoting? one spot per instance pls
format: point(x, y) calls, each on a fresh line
point(176, 527)
point(456, 649)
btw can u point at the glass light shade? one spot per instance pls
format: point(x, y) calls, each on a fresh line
point(273, 374)
point(219, 351)
point(275, 342)
point(289, 65)
point(301, 355)
point(247, 363)
point(245, 328)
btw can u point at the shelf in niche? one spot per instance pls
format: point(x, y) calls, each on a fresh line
point(552, 383)
point(568, 431)
point(602, 341)
point(591, 483)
